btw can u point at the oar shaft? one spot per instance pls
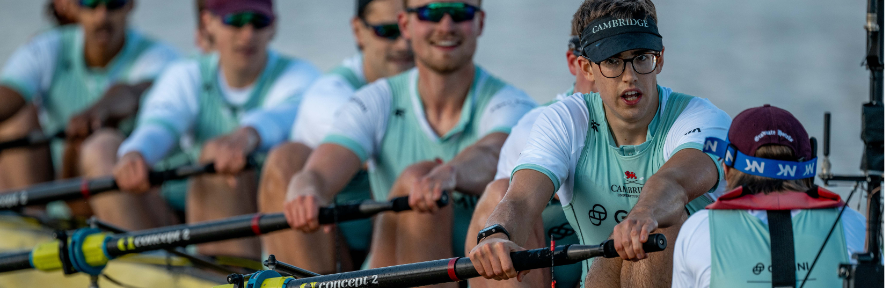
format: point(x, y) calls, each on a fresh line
point(30, 140)
point(457, 269)
point(237, 227)
point(54, 191)
point(15, 261)
point(83, 188)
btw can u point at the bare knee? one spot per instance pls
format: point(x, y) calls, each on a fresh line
point(284, 161)
point(99, 150)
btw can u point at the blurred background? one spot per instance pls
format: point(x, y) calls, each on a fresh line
point(801, 55)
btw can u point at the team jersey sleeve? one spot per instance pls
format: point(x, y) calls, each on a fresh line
point(274, 119)
point(505, 109)
point(691, 254)
point(556, 141)
point(515, 143)
point(170, 108)
point(151, 63)
point(700, 119)
point(360, 124)
point(317, 112)
point(29, 70)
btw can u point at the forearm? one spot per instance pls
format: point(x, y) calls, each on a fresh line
point(328, 170)
point(662, 199)
point(476, 165)
point(687, 175)
point(523, 204)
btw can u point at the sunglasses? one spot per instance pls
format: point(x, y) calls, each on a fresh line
point(434, 12)
point(241, 19)
point(389, 30)
point(109, 4)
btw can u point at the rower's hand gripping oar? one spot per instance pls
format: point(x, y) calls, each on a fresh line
point(33, 139)
point(440, 271)
point(90, 249)
point(84, 188)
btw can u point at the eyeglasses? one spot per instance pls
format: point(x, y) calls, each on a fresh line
point(239, 20)
point(109, 4)
point(434, 12)
point(642, 64)
point(389, 30)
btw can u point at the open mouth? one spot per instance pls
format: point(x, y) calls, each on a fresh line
point(631, 96)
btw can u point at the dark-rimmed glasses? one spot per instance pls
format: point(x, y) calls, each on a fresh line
point(643, 64)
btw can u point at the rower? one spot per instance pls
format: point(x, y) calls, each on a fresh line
point(774, 217)
point(383, 53)
point(239, 101)
point(553, 225)
point(82, 77)
point(601, 149)
point(434, 128)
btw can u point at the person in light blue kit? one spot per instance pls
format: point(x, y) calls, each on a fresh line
point(383, 53)
point(82, 78)
point(437, 127)
point(767, 230)
point(626, 161)
point(239, 101)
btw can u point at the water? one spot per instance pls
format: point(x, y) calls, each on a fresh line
point(800, 55)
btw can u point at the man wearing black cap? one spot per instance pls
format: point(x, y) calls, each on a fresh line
point(741, 240)
point(239, 101)
point(600, 150)
point(383, 53)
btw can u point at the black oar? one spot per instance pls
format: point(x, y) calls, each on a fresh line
point(32, 139)
point(440, 271)
point(84, 188)
point(47, 258)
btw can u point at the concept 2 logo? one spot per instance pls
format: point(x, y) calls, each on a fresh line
point(364, 281)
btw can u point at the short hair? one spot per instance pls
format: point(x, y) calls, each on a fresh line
point(758, 184)
point(592, 9)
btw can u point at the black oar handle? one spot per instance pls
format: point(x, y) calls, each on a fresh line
point(30, 140)
point(347, 212)
point(458, 269)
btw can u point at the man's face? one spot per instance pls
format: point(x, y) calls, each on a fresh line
point(386, 57)
point(101, 25)
point(443, 46)
point(241, 46)
point(630, 96)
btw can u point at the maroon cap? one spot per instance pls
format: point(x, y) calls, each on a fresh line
point(769, 125)
point(225, 7)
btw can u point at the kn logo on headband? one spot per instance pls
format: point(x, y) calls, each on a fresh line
point(785, 170)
